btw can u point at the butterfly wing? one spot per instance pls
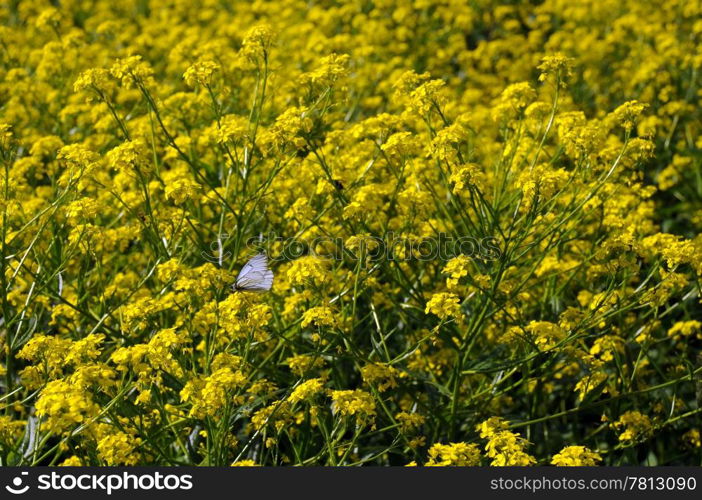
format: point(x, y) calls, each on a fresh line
point(258, 262)
point(255, 275)
point(256, 281)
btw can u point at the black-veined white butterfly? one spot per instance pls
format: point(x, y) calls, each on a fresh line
point(255, 275)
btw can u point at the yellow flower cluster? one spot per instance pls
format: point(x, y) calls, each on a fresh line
point(444, 305)
point(635, 426)
point(356, 403)
point(454, 454)
point(576, 456)
point(306, 390)
point(482, 218)
point(504, 447)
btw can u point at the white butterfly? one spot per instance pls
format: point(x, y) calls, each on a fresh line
point(255, 275)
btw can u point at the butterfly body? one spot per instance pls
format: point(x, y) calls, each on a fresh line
point(255, 275)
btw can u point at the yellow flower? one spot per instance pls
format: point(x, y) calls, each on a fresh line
point(210, 395)
point(119, 448)
point(244, 463)
point(410, 421)
point(444, 305)
point(627, 114)
point(507, 449)
point(180, 190)
point(546, 335)
point(692, 438)
point(384, 377)
point(556, 64)
point(258, 42)
point(683, 329)
point(636, 426)
point(64, 406)
point(127, 156)
point(454, 454)
point(576, 456)
point(302, 363)
point(306, 390)
point(94, 79)
point(131, 70)
point(492, 426)
point(200, 73)
point(356, 403)
point(319, 317)
point(72, 461)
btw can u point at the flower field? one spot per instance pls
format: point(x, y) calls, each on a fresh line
point(482, 219)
